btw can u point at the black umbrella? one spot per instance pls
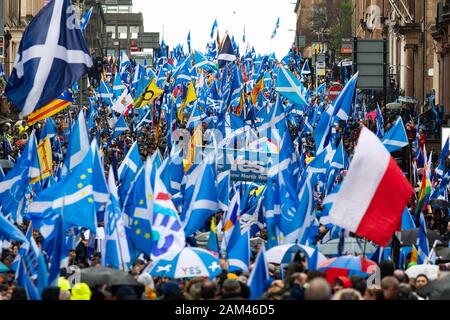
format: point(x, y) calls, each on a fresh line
point(105, 276)
point(443, 253)
point(409, 237)
point(436, 290)
point(439, 203)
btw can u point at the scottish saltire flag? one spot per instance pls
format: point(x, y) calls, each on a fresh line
point(172, 173)
point(50, 226)
point(52, 56)
point(23, 280)
point(118, 86)
point(290, 87)
point(49, 129)
point(100, 186)
point(183, 73)
point(306, 69)
point(238, 250)
point(105, 94)
point(74, 191)
point(259, 275)
point(120, 127)
point(116, 253)
point(444, 153)
point(407, 220)
point(223, 190)
point(396, 137)
point(201, 62)
point(214, 27)
point(339, 110)
point(78, 145)
point(14, 186)
point(167, 231)
point(422, 244)
point(226, 53)
point(197, 116)
point(200, 197)
point(321, 89)
point(85, 20)
point(380, 123)
point(128, 170)
point(125, 64)
point(9, 231)
point(277, 25)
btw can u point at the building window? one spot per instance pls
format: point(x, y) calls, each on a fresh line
point(123, 32)
point(111, 29)
point(134, 32)
point(124, 9)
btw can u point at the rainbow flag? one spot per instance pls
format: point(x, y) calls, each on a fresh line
point(414, 255)
point(52, 108)
point(424, 192)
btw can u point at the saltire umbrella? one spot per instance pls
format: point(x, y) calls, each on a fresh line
point(189, 262)
point(347, 266)
point(285, 253)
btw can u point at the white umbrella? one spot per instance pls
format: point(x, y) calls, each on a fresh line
point(285, 253)
point(431, 271)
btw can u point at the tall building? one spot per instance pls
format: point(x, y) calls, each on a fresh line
point(315, 21)
point(441, 35)
point(124, 31)
point(17, 14)
point(407, 25)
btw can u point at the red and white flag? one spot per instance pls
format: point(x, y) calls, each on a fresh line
point(124, 103)
point(374, 192)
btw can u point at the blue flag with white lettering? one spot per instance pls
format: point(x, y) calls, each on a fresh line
point(52, 56)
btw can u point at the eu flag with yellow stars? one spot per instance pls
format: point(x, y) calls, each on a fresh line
point(72, 197)
point(140, 228)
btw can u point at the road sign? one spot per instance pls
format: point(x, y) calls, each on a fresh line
point(134, 47)
point(334, 92)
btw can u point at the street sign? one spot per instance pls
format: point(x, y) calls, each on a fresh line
point(347, 46)
point(134, 47)
point(301, 41)
point(148, 40)
point(335, 91)
point(370, 58)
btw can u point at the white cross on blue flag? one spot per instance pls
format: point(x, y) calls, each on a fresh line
point(52, 56)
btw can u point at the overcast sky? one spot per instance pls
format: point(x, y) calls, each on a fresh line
point(177, 17)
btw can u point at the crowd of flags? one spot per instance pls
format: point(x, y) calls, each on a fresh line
point(155, 206)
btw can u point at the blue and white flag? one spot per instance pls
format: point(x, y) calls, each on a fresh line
point(85, 20)
point(443, 156)
point(9, 231)
point(277, 25)
point(189, 42)
point(238, 250)
point(259, 275)
point(422, 244)
point(120, 127)
point(105, 94)
point(396, 137)
point(128, 170)
point(52, 56)
point(78, 145)
point(124, 65)
point(200, 61)
point(290, 87)
point(116, 253)
point(200, 197)
point(14, 186)
point(118, 87)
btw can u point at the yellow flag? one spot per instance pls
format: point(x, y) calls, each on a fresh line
point(195, 142)
point(256, 90)
point(151, 92)
point(191, 96)
point(45, 160)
